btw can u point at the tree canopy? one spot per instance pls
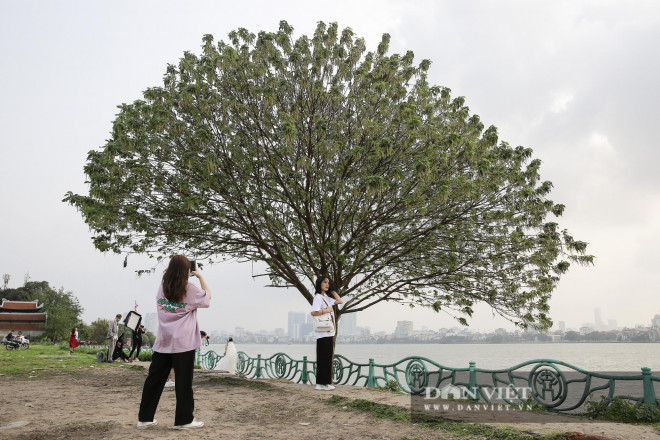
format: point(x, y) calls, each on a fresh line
point(318, 157)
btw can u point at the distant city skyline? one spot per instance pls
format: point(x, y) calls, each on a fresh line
point(300, 323)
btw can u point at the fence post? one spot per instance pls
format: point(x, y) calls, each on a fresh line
point(473, 381)
point(371, 380)
point(198, 357)
point(649, 391)
point(258, 375)
point(304, 376)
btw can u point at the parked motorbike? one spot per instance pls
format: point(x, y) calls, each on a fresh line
point(11, 344)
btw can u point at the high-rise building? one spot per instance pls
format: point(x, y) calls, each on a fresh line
point(598, 319)
point(562, 326)
point(655, 322)
point(239, 333)
point(296, 320)
point(348, 324)
point(150, 322)
point(404, 329)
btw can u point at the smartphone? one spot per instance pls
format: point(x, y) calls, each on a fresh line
point(193, 265)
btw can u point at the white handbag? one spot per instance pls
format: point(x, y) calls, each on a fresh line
point(324, 323)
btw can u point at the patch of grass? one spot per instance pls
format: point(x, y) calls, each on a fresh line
point(377, 410)
point(45, 358)
point(467, 430)
point(392, 386)
point(82, 349)
point(621, 410)
point(236, 382)
point(135, 367)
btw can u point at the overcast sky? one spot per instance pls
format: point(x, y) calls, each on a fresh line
point(577, 81)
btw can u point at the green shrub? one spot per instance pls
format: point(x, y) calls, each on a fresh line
point(145, 356)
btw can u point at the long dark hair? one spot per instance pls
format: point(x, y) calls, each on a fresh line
point(319, 280)
point(175, 280)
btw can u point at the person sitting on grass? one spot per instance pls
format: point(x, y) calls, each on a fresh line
point(119, 352)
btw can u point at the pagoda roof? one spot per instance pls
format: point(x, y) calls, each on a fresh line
point(20, 306)
point(23, 317)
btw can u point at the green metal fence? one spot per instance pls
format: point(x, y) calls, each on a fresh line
point(554, 385)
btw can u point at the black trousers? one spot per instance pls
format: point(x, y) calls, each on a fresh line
point(324, 361)
point(119, 354)
point(138, 346)
point(161, 363)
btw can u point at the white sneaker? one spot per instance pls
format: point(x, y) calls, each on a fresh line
point(145, 425)
point(169, 384)
point(320, 387)
point(192, 425)
point(329, 387)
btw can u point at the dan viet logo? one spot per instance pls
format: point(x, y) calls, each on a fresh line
point(477, 407)
point(462, 392)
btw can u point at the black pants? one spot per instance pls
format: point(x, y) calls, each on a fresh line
point(119, 354)
point(324, 361)
point(138, 346)
point(161, 363)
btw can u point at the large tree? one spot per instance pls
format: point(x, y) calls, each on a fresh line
point(318, 157)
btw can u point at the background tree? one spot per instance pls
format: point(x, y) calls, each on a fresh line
point(148, 339)
point(98, 331)
point(84, 331)
point(318, 157)
point(62, 307)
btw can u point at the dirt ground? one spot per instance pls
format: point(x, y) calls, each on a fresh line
point(100, 403)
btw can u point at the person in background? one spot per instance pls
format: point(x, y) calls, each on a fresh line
point(137, 341)
point(73, 339)
point(230, 359)
point(113, 330)
point(171, 382)
point(205, 338)
point(178, 338)
point(322, 305)
point(118, 352)
point(20, 338)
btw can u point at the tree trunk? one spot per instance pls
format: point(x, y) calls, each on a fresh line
point(334, 343)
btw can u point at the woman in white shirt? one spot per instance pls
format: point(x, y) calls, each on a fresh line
point(322, 305)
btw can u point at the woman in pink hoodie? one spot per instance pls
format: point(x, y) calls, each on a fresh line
point(178, 338)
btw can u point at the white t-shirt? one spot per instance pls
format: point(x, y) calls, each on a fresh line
point(323, 302)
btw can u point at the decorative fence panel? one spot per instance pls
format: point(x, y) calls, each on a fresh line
point(554, 385)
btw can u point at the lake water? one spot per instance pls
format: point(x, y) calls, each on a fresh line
point(593, 357)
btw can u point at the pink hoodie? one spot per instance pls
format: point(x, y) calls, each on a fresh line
point(178, 330)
